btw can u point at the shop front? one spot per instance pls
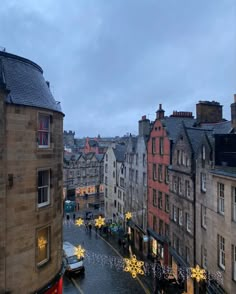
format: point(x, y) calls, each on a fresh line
point(158, 247)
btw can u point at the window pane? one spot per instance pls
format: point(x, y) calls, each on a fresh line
point(43, 246)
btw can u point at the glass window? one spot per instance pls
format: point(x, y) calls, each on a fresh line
point(203, 182)
point(161, 146)
point(153, 145)
point(160, 176)
point(188, 224)
point(203, 213)
point(44, 131)
point(154, 197)
point(174, 213)
point(187, 189)
point(166, 175)
point(221, 253)
point(234, 203)
point(42, 246)
point(167, 203)
point(180, 217)
point(221, 198)
point(43, 188)
point(154, 171)
point(234, 262)
point(159, 199)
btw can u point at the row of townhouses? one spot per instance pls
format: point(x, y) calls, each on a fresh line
point(178, 179)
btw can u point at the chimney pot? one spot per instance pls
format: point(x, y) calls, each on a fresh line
point(144, 117)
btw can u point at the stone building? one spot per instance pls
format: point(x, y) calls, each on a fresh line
point(31, 148)
point(114, 193)
point(136, 185)
point(83, 179)
point(216, 206)
point(163, 135)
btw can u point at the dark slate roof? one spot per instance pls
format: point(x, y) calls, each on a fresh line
point(219, 128)
point(196, 136)
point(24, 79)
point(174, 124)
point(99, 157)
point(119, 152)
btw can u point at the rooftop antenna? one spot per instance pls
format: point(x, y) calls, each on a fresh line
point(3, 49)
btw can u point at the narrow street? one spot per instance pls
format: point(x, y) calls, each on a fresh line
point(103, 266)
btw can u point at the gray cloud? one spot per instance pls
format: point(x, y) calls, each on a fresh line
point(110, 62)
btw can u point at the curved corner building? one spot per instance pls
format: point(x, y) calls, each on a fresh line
point(31, 149)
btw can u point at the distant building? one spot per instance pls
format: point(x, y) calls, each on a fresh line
point(31, 148)
point(136, 185)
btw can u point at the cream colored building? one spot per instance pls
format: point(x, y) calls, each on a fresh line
point(31, 148)
point(114, 193)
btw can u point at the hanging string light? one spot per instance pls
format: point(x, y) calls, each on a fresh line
point(99, 222)
point(133, 266)
point(198, 273)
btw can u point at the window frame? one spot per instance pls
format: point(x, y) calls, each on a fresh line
point(43, 131)
point(161, 146)
point(160, 200)
point(154, 197)
point(221, 247)
point(203, 216)
point(188, 222)
point(48, 243)
point(233, 203)
point(203, 182)
point(153, 145)
point(221, 198)
point(48, 185)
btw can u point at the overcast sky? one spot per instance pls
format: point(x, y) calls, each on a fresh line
point(111, 61)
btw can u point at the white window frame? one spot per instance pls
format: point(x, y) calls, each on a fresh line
point(175, 184)
point(203, 152)
point(234, 263)
point(221, 198)
point(222, 252)
point(174, 213)
point(234, 204)
point(44, 131)
point(43, 244)
point(43, 187)
point(203, 214)
point(180, 186)
point(188, 225)
point(203, 182)
point(180, 217)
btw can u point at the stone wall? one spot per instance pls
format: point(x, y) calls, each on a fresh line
point(23, 216)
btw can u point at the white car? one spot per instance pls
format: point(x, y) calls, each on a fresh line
point(73, 264)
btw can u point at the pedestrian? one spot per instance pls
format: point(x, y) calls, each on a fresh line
point(74, 217)
point(90, 227)
point(119, 242)
point(86, 226)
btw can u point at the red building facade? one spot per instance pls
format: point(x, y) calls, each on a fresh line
point(159, 156)
point(158, 159)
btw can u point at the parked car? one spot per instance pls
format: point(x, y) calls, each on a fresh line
point(73, 264)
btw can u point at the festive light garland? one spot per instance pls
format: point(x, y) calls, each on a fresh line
point(198, 273)
point(99, 222)
point(133, 266)
point(79, 252)
point(79, 222)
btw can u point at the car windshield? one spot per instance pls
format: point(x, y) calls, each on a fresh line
point(73, 259)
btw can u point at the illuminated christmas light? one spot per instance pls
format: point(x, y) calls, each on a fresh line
point(198, 273)
point(79, 252)
point(42, 243)
point(128, 215)
point(99, 222)
point(79, 222)
point(133, 266)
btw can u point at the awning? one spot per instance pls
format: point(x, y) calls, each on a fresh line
point(157, 236)
point(180, 261)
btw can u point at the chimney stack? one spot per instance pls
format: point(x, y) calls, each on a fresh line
point(208, 112)
point(144, 126)
point(233, 114)
point(160, 112)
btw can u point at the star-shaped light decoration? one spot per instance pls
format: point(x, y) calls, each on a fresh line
point(99, 222)
point(128, 215)
point(42, 243)
point(133, 266)
point(198, 273)
point(79, 252)
point(79, 222)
